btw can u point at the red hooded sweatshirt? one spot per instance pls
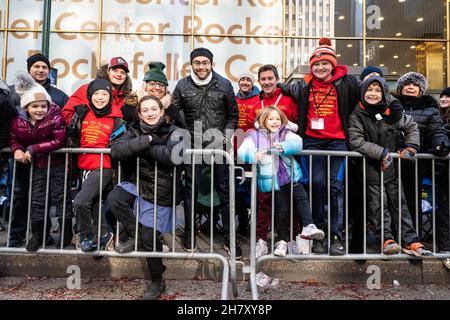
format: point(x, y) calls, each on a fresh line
point(323, 104)
point(96, 133)
point(80, 97)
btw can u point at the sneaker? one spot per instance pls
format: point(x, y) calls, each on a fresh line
point(16, 242)
point(293, 248)
point(445, 261)
point(67, 241)
point(187, 245)
point(337, 247)
point(88, 244)
point(125, 247)
point(226, 246)
point(312, 232)
point(318, 247)
point(262, 279)
point(155, 290)
point(105, 240)
point(417, 249)
point(280, 248)
point(391, 247)
point(261, 248)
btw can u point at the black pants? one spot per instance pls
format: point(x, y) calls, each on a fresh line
point(87, 202)
point(121, 202)
point(442, 213)
point(56, 193)
point(221, 185)
point(390, 213)
point(20, 205)
point(282, 206)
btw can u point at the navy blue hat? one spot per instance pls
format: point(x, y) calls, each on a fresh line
point(368, 70)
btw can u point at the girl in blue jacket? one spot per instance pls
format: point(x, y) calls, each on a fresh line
point(271, 146)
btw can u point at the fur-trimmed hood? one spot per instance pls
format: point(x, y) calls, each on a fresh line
point(127, 87)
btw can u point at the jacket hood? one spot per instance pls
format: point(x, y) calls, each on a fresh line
point(365, 85)
point(339, 72)
point(127, 86)
point(255, 91)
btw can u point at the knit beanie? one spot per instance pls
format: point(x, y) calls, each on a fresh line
point(30, 91)
point(35, 58)
point(324, 52)
point(99, 84)
point(247, 74)
point(201, 52)
point(369, 70)
point(155, 73)
point(445, 92)
point(415, 78)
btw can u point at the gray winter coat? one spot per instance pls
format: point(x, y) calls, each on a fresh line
point(371, 137)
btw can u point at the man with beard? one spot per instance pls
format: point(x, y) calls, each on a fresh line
point(206, 98)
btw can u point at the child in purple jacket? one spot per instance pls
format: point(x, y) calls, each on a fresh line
point(38, 130)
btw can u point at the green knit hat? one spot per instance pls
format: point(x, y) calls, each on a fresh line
point(155, 73)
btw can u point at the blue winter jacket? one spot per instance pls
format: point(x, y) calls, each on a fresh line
point(272, 166)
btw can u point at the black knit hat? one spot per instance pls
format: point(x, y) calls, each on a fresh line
point(445, 92)
point(35, 58)
point(156, 73)
point(368, 70)
point(99, 84)
point(201, 52)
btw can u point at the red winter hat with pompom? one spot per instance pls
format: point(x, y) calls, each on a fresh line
point(323, 52)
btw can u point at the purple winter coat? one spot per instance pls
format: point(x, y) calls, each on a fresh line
point(47, 135)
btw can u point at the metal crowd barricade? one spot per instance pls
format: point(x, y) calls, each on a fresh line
point(226, 264)
point(255, 262)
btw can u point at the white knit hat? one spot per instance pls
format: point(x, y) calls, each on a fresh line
point(247, 74)
point(30, 91)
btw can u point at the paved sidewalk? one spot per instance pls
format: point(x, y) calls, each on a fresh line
point(132, 289)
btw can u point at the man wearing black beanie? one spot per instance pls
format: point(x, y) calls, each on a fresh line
point(208, 102)
point(38, 67)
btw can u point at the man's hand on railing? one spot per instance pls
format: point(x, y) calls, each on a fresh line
point(408, 153)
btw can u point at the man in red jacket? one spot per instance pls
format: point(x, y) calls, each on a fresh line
point(271, 95)
point(116, 72)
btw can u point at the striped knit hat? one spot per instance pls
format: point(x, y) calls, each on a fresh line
point(323, 52)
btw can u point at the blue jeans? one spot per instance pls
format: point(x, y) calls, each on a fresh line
point(319, 184)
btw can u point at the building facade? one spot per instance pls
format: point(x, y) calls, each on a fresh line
point(80, 35)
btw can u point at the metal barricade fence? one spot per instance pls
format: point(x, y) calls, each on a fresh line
point(227, 265)
point(255, 262)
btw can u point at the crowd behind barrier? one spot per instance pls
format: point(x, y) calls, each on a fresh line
point(331, 167)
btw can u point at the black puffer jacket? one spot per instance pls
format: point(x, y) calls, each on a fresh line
point(214, 104)
point(425, 111)
point(134, 144)
point(7, 113)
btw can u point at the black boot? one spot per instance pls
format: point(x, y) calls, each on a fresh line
point(36, 237)
point(68, 235)
point(154, 290)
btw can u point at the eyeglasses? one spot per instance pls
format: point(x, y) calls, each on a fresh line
point(197, 64)
point(153, 84)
